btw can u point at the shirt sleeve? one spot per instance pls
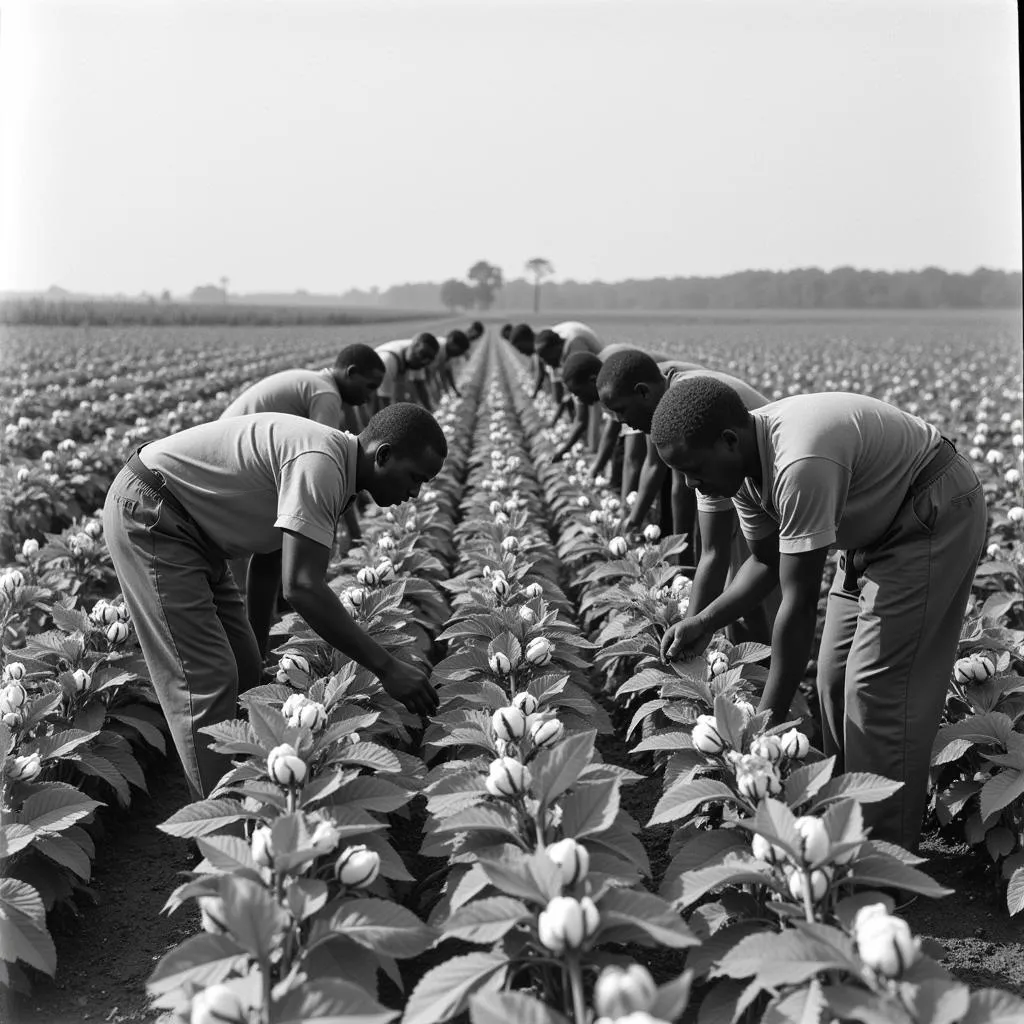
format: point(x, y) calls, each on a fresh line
point(387, 384)
point(705, 503)
point(311, 497)
point(755, 523)
point(810, 496)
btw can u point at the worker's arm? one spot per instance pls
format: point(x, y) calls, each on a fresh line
point(304, 585)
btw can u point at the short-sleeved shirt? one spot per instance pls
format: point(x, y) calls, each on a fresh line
point(309, 393)
point(394, 355)
point(676, 371)
point(578, 338)
point(835, 469)
point(246, 478)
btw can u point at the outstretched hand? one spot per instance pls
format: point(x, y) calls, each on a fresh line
point(411, 686)
point(685, 639)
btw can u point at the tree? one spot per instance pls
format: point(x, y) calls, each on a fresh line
point(457, 294)
point(540, 268)
point(224, 285)
point(488, 280)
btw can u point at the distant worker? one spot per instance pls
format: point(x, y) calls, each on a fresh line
point(330, 396)
point(908, 514)
point(579, 376)
point(475, 331)
point(437, 374)
point(554, 345)
point(252, 485)
point(399, 358)
point(630, 387)
point(506, 331)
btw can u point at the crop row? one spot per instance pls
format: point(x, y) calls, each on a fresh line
point(544, 624)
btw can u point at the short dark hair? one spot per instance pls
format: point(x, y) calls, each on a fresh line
point(456, 343)
point(523, 337)
point(475, 330)
point(696, 411)
point(621, 372)
point(506, 331)
point(408, 428)
point(579, 368)
point(428, 341)
point(361, 358)
point(546, 339)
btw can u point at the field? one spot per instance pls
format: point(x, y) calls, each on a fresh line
point(503, 551)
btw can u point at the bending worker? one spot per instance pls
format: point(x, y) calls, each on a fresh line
point(908, 514)
point(183, 505)
point(330, 396)
point(630, 387)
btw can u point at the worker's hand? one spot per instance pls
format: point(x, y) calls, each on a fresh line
point(685, 639)
point(410, 686)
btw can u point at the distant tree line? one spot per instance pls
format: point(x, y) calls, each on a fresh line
point(808, 288)
point(111, 313)
point(811, 288)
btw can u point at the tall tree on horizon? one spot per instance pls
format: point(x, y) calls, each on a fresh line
point(488, 280)
point(540, 268)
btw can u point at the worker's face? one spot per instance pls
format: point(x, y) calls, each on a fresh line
point(356, 388)
point(635, 408)
point(715, 470)
point(399, 479)
point(419, 356)
point(585, 391)
point(552, 354)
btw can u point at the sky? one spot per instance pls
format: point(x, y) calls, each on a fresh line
point(284, 144)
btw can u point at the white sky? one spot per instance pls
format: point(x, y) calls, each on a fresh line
point(148, 145)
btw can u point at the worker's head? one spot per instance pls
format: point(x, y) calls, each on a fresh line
point(549, 346)
point(456, 344)
point(629, 386)
point(697, 429)
point(475, 330)
point(522, 339)
point(506, 331)
point(422, 351)
point(358, 372)
point(402, 447)
point(579, 375)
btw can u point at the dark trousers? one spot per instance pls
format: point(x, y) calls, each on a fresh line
point(890, 639)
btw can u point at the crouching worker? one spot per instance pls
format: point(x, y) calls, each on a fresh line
point(908, 513)
point(256, 485)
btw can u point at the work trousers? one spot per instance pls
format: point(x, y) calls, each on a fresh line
point(890, 639)
point(189, 616)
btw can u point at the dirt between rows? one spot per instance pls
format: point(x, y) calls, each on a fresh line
point(106, 954)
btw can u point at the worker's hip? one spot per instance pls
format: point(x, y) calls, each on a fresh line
point(943, 515)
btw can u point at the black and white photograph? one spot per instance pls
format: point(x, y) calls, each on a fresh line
point(511, 512)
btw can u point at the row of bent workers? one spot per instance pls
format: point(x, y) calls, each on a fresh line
point(765, 488)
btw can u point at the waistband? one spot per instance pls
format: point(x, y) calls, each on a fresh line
point(155, 480)
point(933, 468)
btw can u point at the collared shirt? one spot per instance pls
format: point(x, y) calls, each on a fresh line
point(835, 469)
point(309, 393)
point(246, 478)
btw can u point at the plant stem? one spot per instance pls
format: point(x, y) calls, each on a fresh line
point(805, 879)
point(266, 1015)
point(579, 1006)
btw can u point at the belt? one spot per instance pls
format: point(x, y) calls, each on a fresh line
point(154, 480)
